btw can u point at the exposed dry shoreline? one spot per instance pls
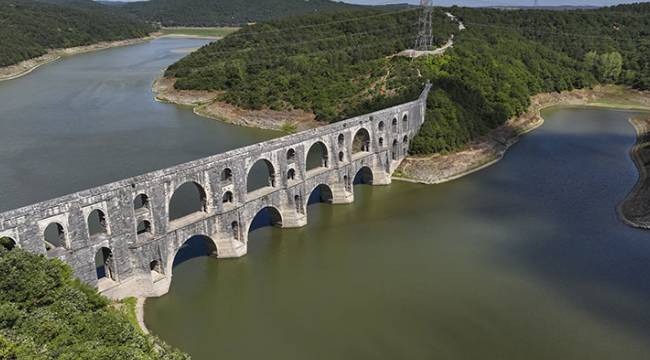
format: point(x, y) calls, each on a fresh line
point(489, 149)
point(635, 209)
point(139, 314)
point(205, 103)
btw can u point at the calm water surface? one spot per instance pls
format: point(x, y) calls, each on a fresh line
point(524, 260)
point(91, 119)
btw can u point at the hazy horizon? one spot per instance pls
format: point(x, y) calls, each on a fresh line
point(478, 3)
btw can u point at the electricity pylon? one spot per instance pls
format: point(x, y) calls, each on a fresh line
point(424, 41)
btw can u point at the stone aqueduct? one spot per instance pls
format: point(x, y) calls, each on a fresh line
point(127, 223)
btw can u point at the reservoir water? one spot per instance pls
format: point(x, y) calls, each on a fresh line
point(91, 119)
point(523, 260)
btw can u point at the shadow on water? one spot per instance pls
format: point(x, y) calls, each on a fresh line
point(583, 251)
point(194, 247)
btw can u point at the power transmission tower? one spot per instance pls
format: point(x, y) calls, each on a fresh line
point(424, 41)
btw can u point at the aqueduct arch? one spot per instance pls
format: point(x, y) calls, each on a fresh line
point(260, 176)
point(187, 199)
point(7, 243)
point(266, 216)
point(321, 193)
point(361, 141)
point(192, 247)
point(142, 233)
point(363, 176)
point(317, 156)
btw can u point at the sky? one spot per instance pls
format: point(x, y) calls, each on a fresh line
point(489, 2)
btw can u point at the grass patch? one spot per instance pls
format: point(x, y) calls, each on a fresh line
point(289, 128)
point(199, 31)
point(127, 308)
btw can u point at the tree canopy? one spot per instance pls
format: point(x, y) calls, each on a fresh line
point(47, 314)
point(30, 28)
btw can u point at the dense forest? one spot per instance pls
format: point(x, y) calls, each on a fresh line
point(340, 65)
point(326, 63)
point(225, 12)
point(30, 28)
point(46, 314)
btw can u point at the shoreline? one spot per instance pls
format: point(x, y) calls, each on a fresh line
point(139, 314)
point(489, 149)
point(25, 67)
point(634, 210)
point(206, 104)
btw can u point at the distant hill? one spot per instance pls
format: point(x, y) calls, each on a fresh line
point(30, 28)
point(225, 12)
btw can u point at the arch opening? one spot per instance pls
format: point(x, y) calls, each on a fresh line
point(226, 175)
point(234, 226)
point(54, 236)
point(363, 177)
point(381, 142)
point(97, 223)
point(7, 243)
point(104, 264)
point(297, 201)
point(340, 139)
point(227, 197)
point(141, 201)
point(320, 194)
point(317, 156)
point(380, 126)
point(394, 150)
point(361, 142)
point(405, 123)
point(291, 174)
point(260, 175)
point(268, 216)
point(341, 156)
point(194, 247)
point(188, 199)
point(156, 269)
point(394, 124)
point(291, 156)
point(143, 228)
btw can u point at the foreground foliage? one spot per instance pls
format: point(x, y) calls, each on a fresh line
point(340, 65)
point(29, 28)
point(46, 314)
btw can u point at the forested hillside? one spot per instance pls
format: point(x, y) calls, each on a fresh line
point(47, 314)
point(225, 12)
point(29, 28)
point(328, 64)
point(339, 66)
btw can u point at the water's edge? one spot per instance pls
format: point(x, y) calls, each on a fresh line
point(632, 209)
